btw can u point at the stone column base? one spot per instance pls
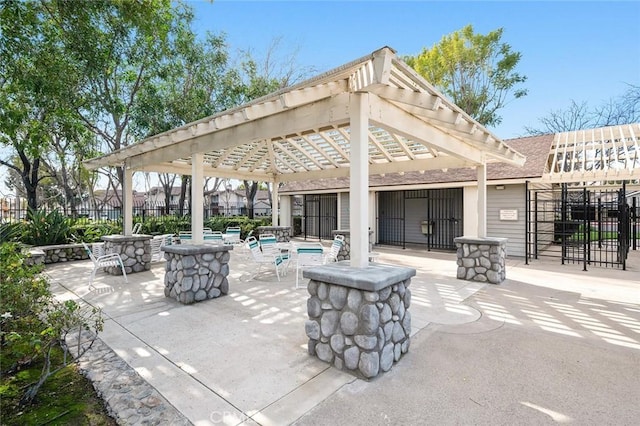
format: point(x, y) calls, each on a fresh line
point(359, 318)
point(135, 251)
point(481, 259)
point(196, 272)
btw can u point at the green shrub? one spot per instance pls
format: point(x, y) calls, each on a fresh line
point(44, 228)
point(91, 232)
point(221, 223)
point(166, 225)
point(10, 232)
point(33, 324)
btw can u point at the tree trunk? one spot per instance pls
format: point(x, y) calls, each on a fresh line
point(250, 190)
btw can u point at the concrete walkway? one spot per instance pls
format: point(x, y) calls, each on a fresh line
point(551, 344)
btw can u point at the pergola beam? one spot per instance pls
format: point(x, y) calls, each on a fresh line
point(444, 162)
point(325, 113)
point(185, 169)
point(394, 119)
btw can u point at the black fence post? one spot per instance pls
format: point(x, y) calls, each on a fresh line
point(634, 221)
point(585, 229)
point(526, 222)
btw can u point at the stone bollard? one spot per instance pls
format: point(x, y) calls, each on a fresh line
point(481, 259)
point(359, 319)
point(134, 250)
point(196, 272)
point(345, 250)
point(282, 233)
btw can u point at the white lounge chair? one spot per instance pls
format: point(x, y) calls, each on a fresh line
point(104, 261)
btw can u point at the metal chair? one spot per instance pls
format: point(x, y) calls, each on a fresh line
point(184, 236)
point(266, 255)
point(136, 228)
point(104, 261)
point(232, 235)
point(269, 243)
point(157, 244)
point(332, 255)
point(213, 237)
point(310, 254)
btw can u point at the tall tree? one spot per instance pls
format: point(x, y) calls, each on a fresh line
point(118, 48)
point(88, 59)
point(261, 77)
point(193, 82)
point(478, 72)
point(35, 81)
point(619, 110)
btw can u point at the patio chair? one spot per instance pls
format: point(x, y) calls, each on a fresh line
point(268, 255)
point(184, 236)
point(136, 228)
point(213, 237)
point(332, 255)
point(104, 261)
point(310, 254)
point(158, 243)
point(269, 243)
point(232, 235)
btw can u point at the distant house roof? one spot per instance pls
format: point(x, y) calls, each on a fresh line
point(114, 199)
point(535, 148)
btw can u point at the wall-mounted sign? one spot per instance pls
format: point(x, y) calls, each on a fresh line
point(509, 214)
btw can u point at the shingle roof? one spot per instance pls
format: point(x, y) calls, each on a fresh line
point(535, 148)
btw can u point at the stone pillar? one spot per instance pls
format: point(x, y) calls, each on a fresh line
point(359, 318)
point(481, 259)
point(135, 251)
point(345, 250)
point(282, 233)
point(196, 272)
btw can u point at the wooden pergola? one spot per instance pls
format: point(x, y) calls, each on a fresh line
point(374, 115)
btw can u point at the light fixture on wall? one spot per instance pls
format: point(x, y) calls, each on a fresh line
point(499, 187)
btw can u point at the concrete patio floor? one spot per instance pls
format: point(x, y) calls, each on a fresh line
point(552, 344)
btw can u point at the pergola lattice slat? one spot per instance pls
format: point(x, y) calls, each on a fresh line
point(595, 155)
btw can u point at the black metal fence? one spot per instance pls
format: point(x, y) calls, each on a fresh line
point(320, 215)
point(581, 225)
point(425, 217)
point(13, 210)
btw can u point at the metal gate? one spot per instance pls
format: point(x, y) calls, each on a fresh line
point(429, 217)
point(581, 225)
point(320, 215)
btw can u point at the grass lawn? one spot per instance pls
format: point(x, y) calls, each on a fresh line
point(67, 398)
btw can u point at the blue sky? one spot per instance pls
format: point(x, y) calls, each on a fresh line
point(585, 51)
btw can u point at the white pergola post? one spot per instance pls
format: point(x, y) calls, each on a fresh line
point(127, 200)
point(197, 197)
point(285, 210)
point(481, 171)
point(359, 177)
point(373, 209)
point(339, 210)
point(274, 203)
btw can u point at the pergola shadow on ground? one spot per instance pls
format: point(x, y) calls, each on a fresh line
point(542, 345)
